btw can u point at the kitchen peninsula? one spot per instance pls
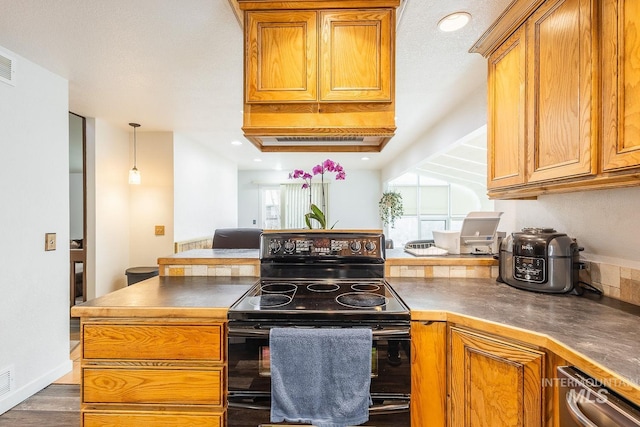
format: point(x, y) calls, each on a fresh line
point(121, 333)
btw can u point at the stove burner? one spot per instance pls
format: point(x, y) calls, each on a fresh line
point(323, 287)
point(279, 288)
point(370, 287)
point(361, 300)
point(270, 300)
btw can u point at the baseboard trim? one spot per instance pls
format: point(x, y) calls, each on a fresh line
point(28, 390)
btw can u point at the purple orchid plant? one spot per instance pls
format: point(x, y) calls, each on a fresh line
point(329, 166)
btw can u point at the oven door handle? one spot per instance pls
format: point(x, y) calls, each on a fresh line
point(401, 404)
point(264, 332)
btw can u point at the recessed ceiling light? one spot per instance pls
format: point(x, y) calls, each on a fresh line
point(365, 158)
point(454, 21)
point(236, 142)
point(257, 160)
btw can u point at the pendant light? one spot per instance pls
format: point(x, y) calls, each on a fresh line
point(134, 174)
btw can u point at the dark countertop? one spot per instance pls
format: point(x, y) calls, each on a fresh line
point(603, 331)
point(170, 296)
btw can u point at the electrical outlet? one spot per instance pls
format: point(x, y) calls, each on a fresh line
point(50, 241)
point(159, 230)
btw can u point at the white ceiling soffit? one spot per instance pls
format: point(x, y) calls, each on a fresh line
point(114, 55)
point(465, 163)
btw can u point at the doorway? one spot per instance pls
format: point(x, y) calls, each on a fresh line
point(77, 209)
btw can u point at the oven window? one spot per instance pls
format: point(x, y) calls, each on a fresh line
point(264, 364)
point(264, 361)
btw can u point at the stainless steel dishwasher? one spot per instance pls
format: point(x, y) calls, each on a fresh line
point(584, 402)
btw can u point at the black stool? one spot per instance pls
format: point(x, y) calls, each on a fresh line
point(138, 274)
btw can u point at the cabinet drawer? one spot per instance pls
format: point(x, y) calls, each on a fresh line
point(153, 386)
point(153, 342)
point(103, 419)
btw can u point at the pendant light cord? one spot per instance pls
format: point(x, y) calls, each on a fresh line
point(135, 144)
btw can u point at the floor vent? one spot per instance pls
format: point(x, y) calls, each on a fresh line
point(6, 380)
point(7, 70)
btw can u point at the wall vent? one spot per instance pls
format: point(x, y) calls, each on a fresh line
point(6, 380)
point(7, 69)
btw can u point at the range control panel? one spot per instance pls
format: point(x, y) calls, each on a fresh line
point(322, 245)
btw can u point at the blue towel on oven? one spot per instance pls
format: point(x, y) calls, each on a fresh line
point(320, 375)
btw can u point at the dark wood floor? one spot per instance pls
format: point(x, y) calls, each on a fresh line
point(58, 405)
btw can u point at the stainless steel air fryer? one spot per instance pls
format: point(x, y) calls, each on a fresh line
point(541, 260)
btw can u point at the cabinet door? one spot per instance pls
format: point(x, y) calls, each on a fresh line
point(506, 104)
point(561, 103)
point(620, 84)
point(356, 55)
point(493, 383)
point(428, 369)
point(281, 58)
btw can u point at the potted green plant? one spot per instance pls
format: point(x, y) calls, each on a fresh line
point(390, 205)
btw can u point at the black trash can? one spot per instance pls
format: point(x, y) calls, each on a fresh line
point(138, 274)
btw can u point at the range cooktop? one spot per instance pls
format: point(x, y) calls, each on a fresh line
point(348, 299)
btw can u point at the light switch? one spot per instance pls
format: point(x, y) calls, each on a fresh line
point(159, 230)
point(50, 241)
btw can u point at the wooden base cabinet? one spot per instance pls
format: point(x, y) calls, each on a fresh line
point(169, 372)
point(493, 382)
point(428, 374)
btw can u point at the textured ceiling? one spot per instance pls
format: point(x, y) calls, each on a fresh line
point(177, 65)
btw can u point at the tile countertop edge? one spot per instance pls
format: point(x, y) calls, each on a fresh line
point(252, 256)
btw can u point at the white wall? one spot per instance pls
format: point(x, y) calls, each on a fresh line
point(107, 207)
point(205, 188)
point(34, 284)
point(352, 202)
point(151, 202)
point(604, 222)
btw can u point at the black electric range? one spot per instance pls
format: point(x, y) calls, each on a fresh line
point(321, 276)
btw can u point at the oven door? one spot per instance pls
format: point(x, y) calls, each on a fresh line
point(249, 401)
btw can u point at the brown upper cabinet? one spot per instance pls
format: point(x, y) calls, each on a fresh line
point(350, 55)
point(561, 114)
point(550, 126)
point(282, 56)
point(620, 84)
point(506, 118)
point(319, 75)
